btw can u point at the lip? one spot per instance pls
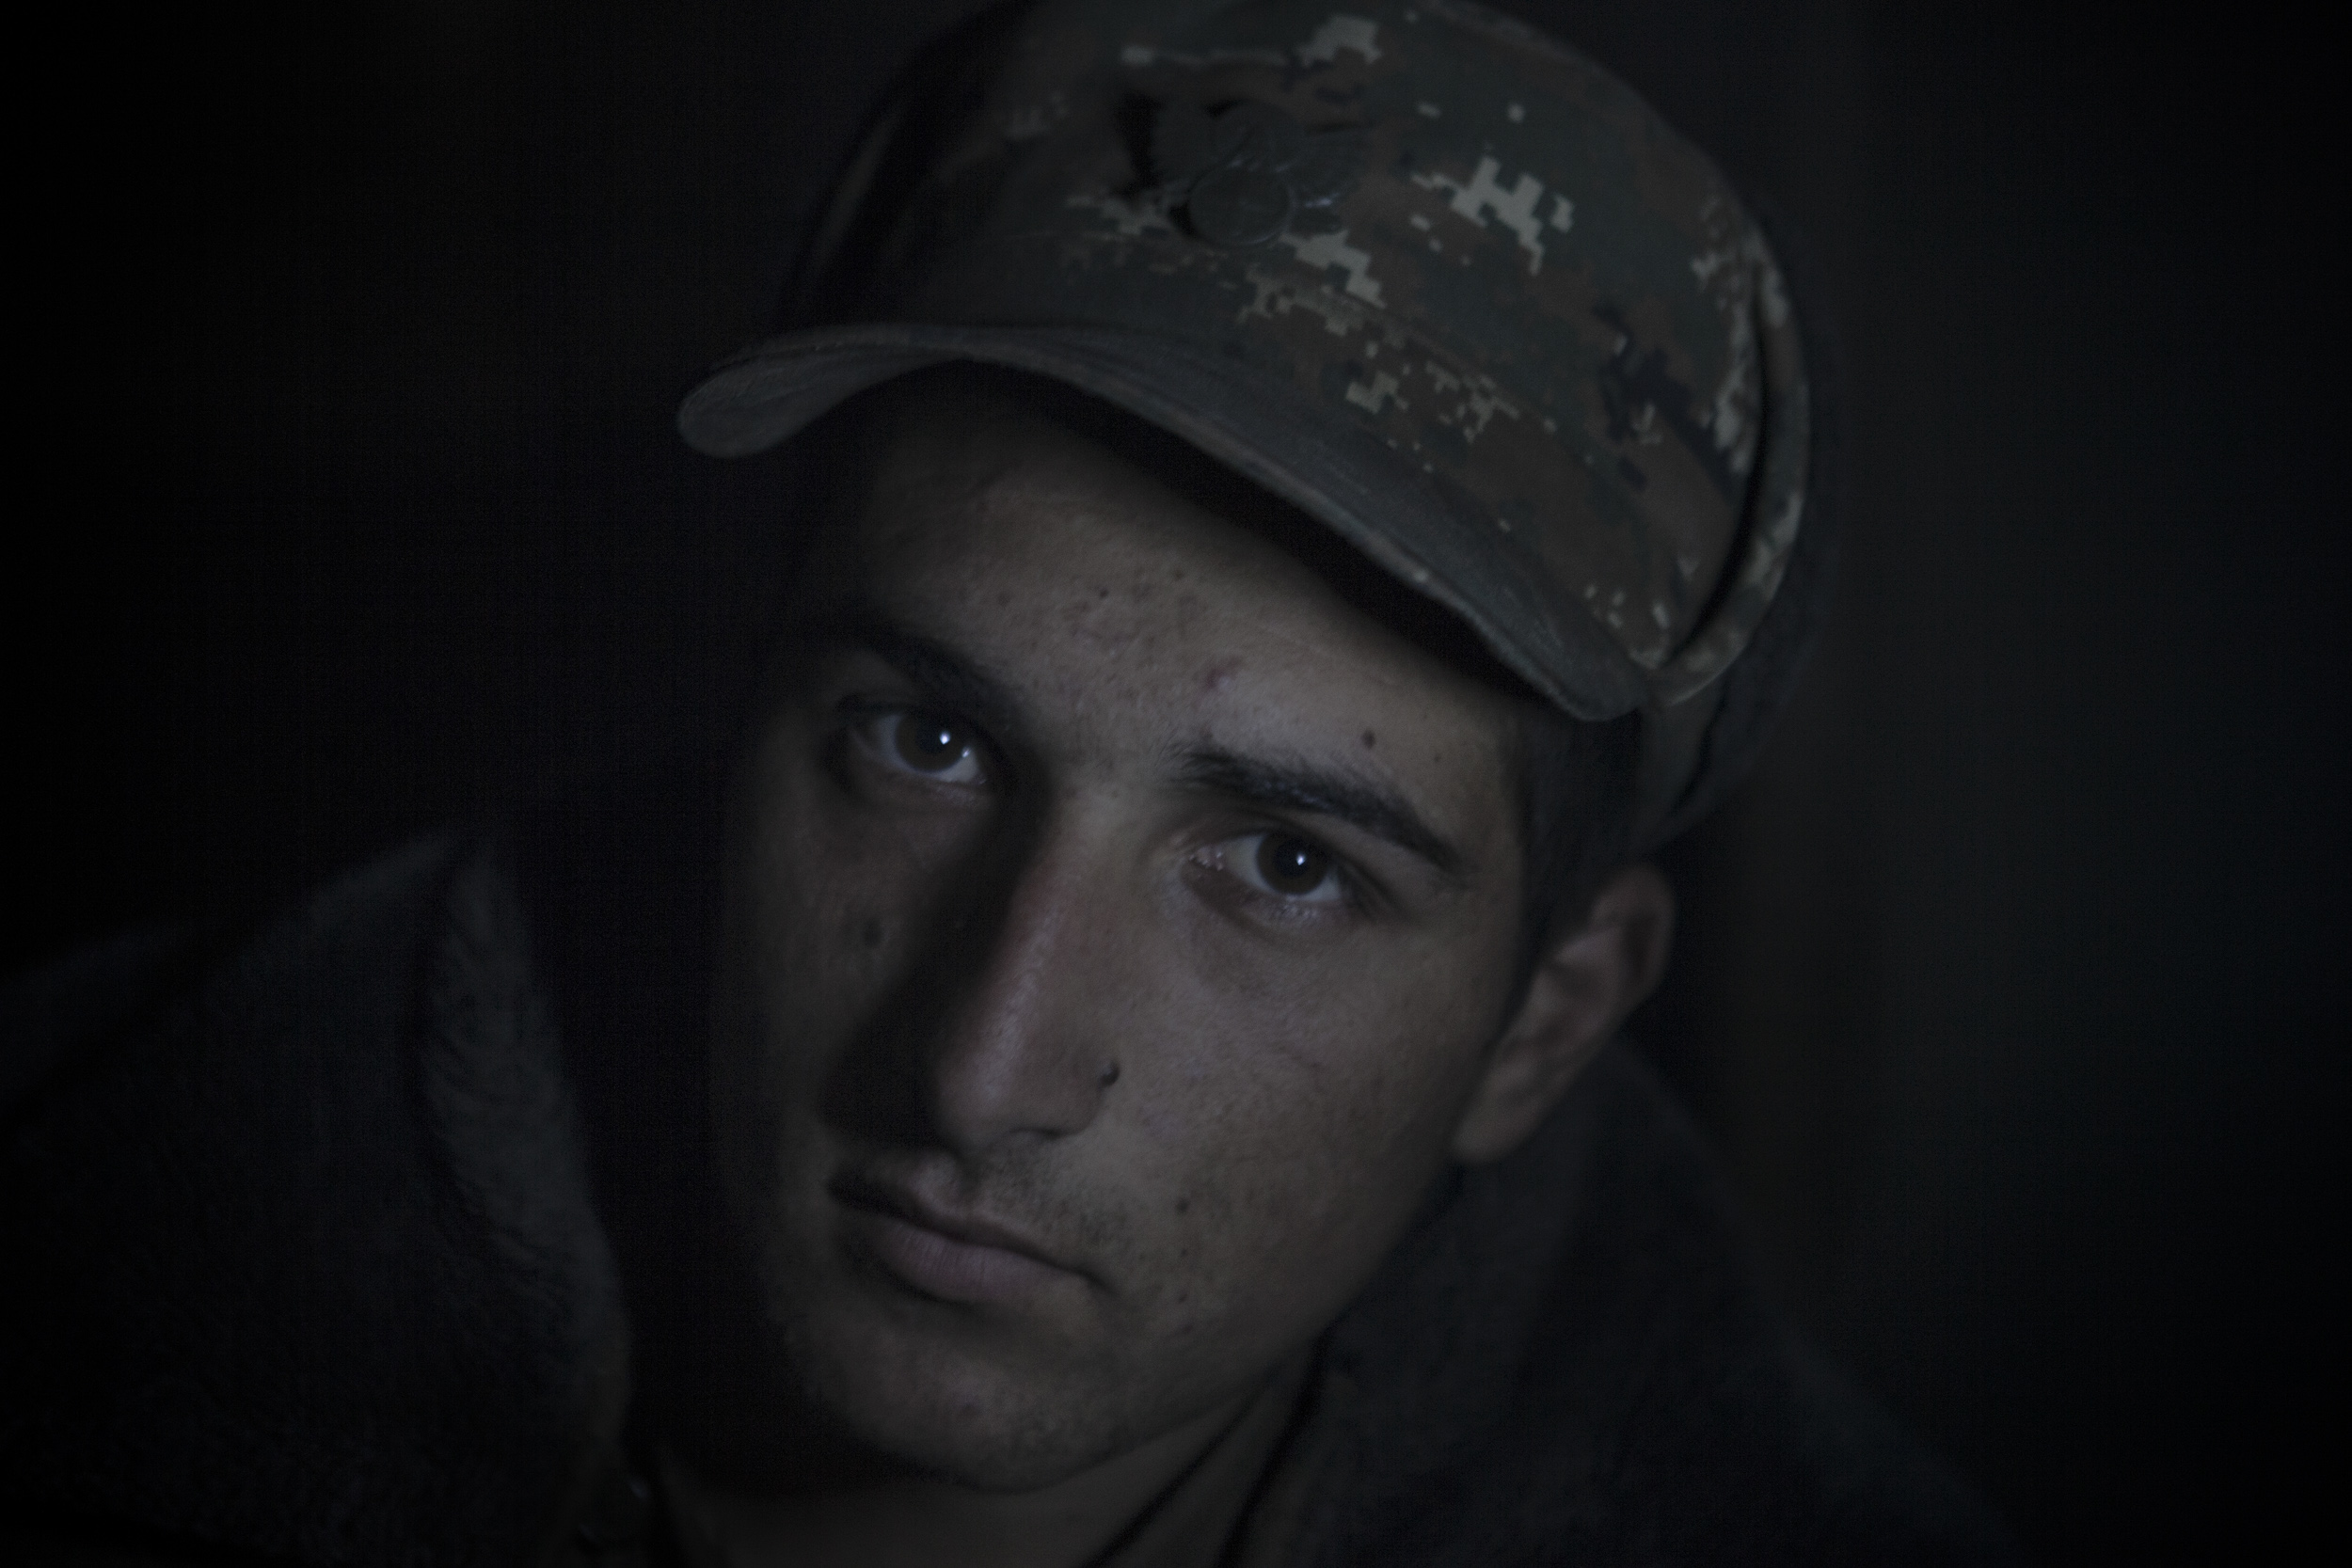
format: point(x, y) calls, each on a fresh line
point(949, 1255)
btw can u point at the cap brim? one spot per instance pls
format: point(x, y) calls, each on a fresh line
point(1372, 495)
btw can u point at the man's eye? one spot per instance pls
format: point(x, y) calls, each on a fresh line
point(1289, 867)
point(924, 744)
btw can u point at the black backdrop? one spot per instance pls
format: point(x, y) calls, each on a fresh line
point(2013, 986)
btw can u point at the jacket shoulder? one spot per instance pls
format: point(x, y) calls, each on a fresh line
point(1573, 1364)
point(1738, 1441)
point(304, 1254)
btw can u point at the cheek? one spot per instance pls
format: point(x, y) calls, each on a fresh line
point(822, 903)
point(1302, 1109)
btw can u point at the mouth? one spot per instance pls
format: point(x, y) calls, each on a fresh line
point(938, 1252)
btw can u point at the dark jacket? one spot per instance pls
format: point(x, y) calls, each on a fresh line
point(307, 1263)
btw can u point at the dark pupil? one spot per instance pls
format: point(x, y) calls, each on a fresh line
point(1291, 864)
point(933, 745)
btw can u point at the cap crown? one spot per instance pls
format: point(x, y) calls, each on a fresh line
point(1439, 279)
point(1471, 240)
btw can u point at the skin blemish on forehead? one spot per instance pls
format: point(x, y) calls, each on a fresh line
point(1217, 677)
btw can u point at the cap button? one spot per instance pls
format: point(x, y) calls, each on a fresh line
point(1238, 207)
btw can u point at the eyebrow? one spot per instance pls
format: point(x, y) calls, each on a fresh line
point(1355, 800)
point(945, 674)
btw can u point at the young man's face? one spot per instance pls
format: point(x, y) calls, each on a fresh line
point(1117, 924)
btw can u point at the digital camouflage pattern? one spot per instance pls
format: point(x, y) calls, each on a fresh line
point(1432, 277)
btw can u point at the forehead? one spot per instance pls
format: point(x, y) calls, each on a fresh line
point(1098, 588)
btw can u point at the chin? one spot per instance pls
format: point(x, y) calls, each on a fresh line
point(932, 1402)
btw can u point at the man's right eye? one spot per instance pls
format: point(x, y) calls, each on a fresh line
point(928, 746)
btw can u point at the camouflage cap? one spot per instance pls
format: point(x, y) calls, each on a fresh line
point(1436, 279)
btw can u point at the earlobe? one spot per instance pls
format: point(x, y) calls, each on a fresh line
point(1580, 992)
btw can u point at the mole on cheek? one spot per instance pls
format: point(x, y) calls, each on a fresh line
point(1370, 741)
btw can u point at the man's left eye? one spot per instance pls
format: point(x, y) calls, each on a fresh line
point(927, 745)
point(1288, 866)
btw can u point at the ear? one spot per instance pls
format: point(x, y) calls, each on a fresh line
point(1581, 990)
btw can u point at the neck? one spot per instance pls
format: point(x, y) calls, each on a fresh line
point(921, 1522)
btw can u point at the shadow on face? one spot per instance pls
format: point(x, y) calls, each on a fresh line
point(1117, 920)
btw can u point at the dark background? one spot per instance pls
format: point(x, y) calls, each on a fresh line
point(2013, 986)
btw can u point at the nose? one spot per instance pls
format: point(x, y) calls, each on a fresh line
point(1022, 1049)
